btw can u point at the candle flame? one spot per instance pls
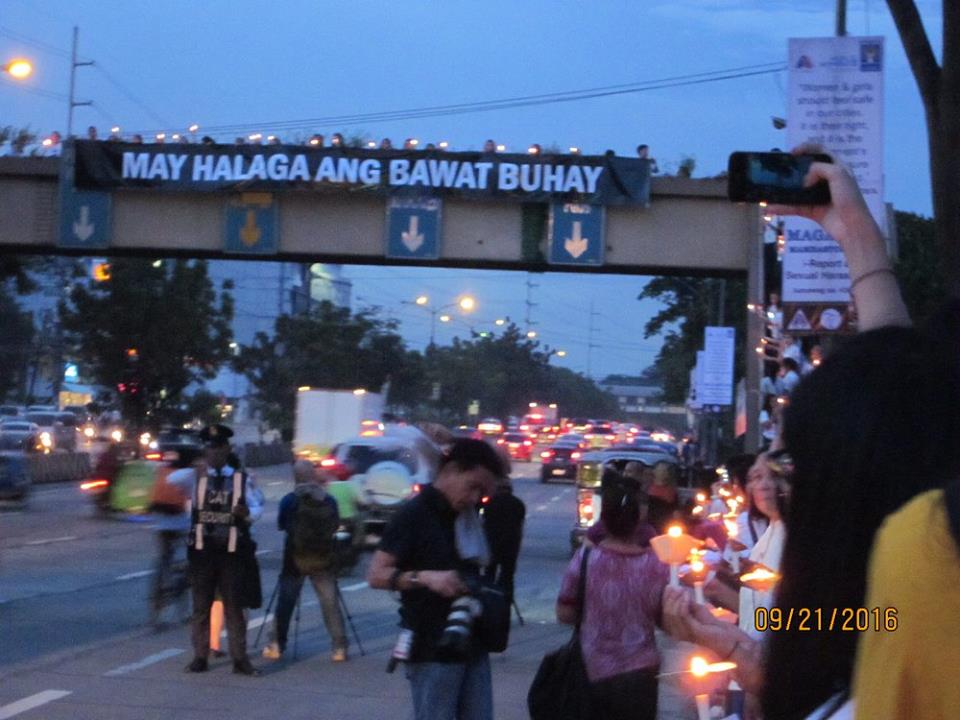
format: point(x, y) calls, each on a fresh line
point(701, 497)
point(699, 667)
point(731, 528)
point(697, 566)
point(759, 574)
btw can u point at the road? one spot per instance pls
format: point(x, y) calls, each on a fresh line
point(75, 645)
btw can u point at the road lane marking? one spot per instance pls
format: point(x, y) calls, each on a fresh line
point(554, 498)
point(47, 541)
point(276, 482)
point(135, 575)
point(263, 552)
point(29, 703)
point(541, 508)
point(147, 661)
point(353, 588)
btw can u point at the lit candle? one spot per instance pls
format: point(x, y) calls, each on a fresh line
point(697, 568)
point(761, 578)
point(672, 548)
point(703, 707)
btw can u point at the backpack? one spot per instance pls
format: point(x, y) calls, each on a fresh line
point(313, 538)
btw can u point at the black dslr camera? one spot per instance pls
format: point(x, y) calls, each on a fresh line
point(455, 642)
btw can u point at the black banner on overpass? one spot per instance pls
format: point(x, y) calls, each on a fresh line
point(105, 165)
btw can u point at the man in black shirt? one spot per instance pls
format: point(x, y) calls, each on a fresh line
point(418, 556)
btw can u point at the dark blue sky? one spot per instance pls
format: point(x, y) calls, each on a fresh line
point(235, 62)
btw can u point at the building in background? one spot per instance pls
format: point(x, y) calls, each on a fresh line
point(642, 403)
point(262, 292)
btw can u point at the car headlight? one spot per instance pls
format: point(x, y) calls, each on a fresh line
point(117, 435)
point(88, 431)
point(46, 440)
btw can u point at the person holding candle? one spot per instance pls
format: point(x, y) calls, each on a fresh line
point(623, 590)
point(875, 426)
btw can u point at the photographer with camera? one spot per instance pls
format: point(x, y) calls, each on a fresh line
point(422, 556)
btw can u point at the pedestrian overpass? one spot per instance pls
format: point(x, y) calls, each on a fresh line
point(428, 208)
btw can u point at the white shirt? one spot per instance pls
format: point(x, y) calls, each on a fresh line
point(768, 551)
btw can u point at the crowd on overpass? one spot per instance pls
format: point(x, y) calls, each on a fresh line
point(52, 145)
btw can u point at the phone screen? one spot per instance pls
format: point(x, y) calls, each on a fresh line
point(775, 178)
point(780, 171)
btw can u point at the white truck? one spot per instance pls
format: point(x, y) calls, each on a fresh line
point(327, 417)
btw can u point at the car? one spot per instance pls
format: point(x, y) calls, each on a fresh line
point(14, 476)
point(573, 439)
point(601, 434)
point(386, 470)
point(176, 440)
point(559, 461)
point(20, 435)
point(465, 431)
point(590, 473)
point(9, 411)
point(58, 431)
point(519, 445)
point(490, 426)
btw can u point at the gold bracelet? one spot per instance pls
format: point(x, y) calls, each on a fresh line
point(869, 273)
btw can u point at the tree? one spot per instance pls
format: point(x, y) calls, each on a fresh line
point(504, 373)
point(917, 262)
point(149, 331)
point(939, 87)
point(690, 305)
point(331, 348)
point(16, 329)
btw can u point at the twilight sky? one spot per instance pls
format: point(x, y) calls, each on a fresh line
point(163, 66)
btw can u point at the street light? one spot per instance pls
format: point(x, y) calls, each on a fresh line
point(561, 353)
point(19, 68)
point(466, 303)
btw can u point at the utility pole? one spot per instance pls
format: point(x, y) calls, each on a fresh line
point(590, 344)
point(529, 304)
point(73, 73)
point(841, 18)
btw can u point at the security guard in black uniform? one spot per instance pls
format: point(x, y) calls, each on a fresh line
point(219, 543)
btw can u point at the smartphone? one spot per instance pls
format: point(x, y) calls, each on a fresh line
point(774, 178)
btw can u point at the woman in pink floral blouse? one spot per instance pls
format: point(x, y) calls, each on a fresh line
point(622, 608)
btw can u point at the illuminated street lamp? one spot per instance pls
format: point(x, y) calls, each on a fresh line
point(466, 303)
point(561, 353)
point(19, 68)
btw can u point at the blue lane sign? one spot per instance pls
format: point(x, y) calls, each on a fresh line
point(251, 225)
point(576, 234)
point(413, 228)
point(84, 219)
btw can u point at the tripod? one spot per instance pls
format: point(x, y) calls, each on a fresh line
point(346, 611)
point(296, 629)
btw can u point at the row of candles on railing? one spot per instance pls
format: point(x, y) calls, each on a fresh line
point(677, 548)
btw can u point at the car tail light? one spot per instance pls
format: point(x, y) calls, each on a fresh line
point(547, 454)
point(574, 455)
point(94, 484)
point(588, 436)
point(416, 488)
point(153, 456)
point(501, 441)
point(585, 507)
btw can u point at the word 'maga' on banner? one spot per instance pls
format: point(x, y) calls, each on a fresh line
point(597, 180)
point(835, 99)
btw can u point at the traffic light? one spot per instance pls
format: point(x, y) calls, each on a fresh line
point(133, 354)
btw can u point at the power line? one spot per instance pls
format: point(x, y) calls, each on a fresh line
point(509, 103)
point(35, 90)
point(39, 44)
point(133, 98)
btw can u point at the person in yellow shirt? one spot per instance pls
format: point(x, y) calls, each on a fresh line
point(908, 670)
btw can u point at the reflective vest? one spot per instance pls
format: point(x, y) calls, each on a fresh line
point(215, 496)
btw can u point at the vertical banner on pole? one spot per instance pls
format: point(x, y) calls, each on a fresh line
point(835, 99)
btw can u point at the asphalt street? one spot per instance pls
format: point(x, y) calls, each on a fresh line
point(75, 644)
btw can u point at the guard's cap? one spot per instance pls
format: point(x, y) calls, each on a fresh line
point(216, 435)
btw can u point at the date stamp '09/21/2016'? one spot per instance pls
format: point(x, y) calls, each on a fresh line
point(858, 619)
